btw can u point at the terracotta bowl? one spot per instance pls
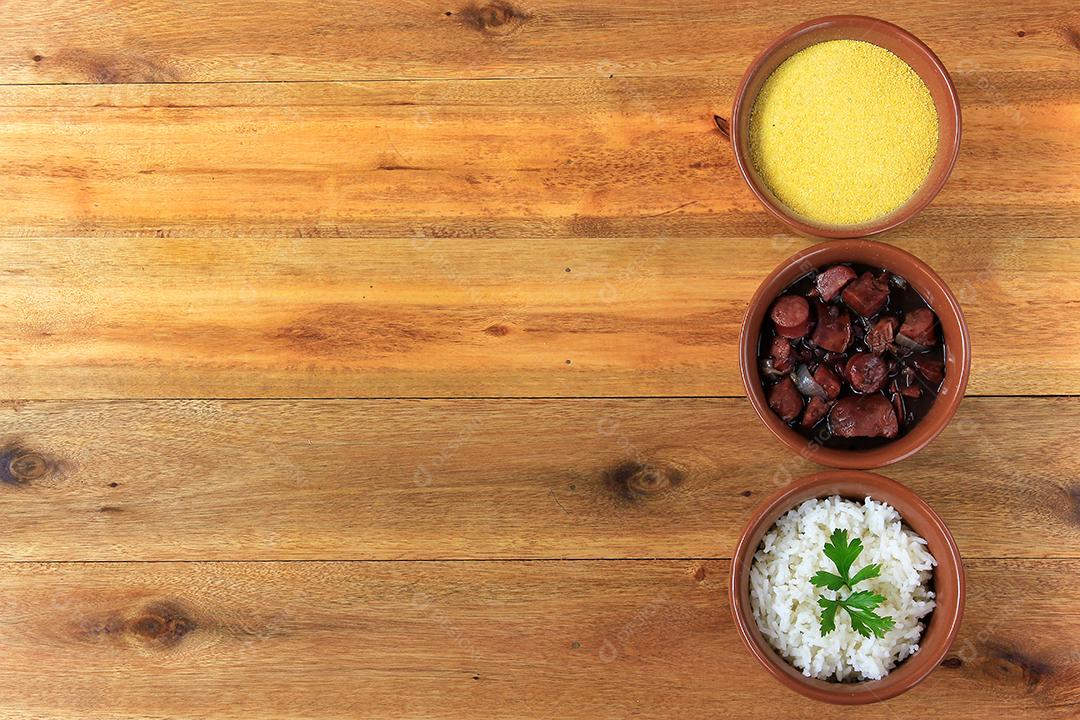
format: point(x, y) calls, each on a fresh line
point(933, 290)
point(948, 584)
point(850, 27)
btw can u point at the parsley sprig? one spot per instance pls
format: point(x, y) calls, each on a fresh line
point(859, 605)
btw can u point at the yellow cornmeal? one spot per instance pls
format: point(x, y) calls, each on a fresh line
point(843, 132)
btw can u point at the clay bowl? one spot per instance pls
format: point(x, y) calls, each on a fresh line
point(933, 290)
point(850, 27)
point(948, 584)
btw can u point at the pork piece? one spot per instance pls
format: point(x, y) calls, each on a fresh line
point(881, 335)
point(832, 280)
point(828, 381)
point(815, 410)
point(867, 295)
point(931, 369)
point(833, 331)
point(785, 400)
point(780, 355)
point(919, 328)
point(863, 416)
point(791, 315)
point(866, 372)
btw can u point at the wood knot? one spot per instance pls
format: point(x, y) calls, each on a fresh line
point(497, 330)
point(163, 625)
point(657, 471)
point(21, 466)
point(30, 466)
point(639, 479)
point(1072, 37)
point(1072, 502)
point(952, 663)
point(497, 17)
point(158, 626)
point(1010, 664)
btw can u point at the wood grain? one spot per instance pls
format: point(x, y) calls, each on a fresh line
point(501, 158)
point(82, 41)
point(387, 480)
point(212, 210)
point(164, 318)
point(478, 640)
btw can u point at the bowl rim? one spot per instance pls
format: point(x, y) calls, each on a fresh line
point(894, 450)
point(743, 104)
point(868, 691)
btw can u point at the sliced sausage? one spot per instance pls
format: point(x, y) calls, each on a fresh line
point(830, 282)
point(867, 295)
point(919, 327)
point(863, 416)
point(833, 331)
point(828, 381)
point(791, 315)
point(785, 400)
point(815, 410)
point(780, 355)
point(866, 372)
point(881, 335)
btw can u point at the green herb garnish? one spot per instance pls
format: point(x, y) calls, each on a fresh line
point(860, 606)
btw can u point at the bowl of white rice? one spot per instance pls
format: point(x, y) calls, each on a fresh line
point(863, 629)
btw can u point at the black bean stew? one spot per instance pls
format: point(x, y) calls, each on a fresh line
point(851, 356)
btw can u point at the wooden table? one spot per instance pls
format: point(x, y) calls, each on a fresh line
point(378, 359)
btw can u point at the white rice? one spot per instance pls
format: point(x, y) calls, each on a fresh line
point(785, 602)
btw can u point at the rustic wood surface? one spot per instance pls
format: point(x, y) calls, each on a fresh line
point(539, 639)
point(173, 318)
point(484, 479)
point(378, 359)
point(83, 41)
point(553, 157)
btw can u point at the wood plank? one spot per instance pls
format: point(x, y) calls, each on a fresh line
point(164, 318)
point(559, 157)
point(316, 480)
point(82, 41)
point(478, 640)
